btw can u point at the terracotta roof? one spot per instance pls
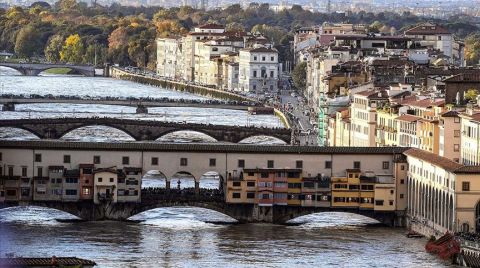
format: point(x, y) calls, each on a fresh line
point(211, 26)
point(465, 78)
point(468, 169)
point(427, 29)
point(373, 94)
point(450, 114)
point(390, 62)
point(425, 103)
point(272, 169)
point(44, 262)
point(437, 160)
point(194, 147)
point(408, 118)
point(260, 49)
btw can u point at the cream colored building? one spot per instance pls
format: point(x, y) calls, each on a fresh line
point(170, 58)
point(450, 133)
point(442, 195)
point(105, 185)
point(258, 69)
point(470, 137)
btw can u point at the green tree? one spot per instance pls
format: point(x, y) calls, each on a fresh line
point(72, 51)
point(27, 42)
point(471, 94)
point(53, 48)
point(299, 75)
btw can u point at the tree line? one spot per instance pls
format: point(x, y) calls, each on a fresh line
point(73, 32)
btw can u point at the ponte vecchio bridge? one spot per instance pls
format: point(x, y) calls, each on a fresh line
point(255, 180)
point(143, 130)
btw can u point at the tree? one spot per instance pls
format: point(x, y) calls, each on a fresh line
point(72, 51)
point(299, 75)
point(235, 27)
point(53, 48)
point(471, 94)
point(118, 39)
point(169, 27)
point(472, 49)
point(27, 42)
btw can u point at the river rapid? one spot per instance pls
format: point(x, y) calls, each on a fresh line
point(183, 237)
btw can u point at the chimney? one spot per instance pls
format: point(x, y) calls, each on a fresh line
point(470, 108)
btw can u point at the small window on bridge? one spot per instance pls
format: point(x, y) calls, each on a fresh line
point(38, 157)
point(39, 171)
point(235, 195)
point(96, 159)
point(10, 171)
point(378, 202)
point(386, 165)
point(183, 162)
point(270, 163)
point(250, 184)
point(401, 195)
point(125, 160)
point(299, 164)
point(154, 161)
point(24, 171)
point(100, 179)
point(241, 163)
point(250, 195)
point(213, 162)
point(66, 159)
point(466, 186)
point(328, 164)
point(237, 184)
point(112, 180)
point(356, 164)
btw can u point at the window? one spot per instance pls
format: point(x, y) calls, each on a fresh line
point(402, 167)
point(250, 195)
point(125, 160)
point(86, 191)
point(299, 164)
point(100, 179)
point(456, 133)
point(390, 202)
point(391, 191)
point(456, 119)
point(456, 147)
point(71, 180)
point(24, 171)
point(39, 171)
point(356, 164)
point(241, 163)
point(38, 157)
point(263, 58)
point(66, 159)
point(264, 175)
point(254, 73)
point(272, 58)
point(1, 157)
point(111, 180)
point(250, 184)
point(96, 159)
point(121, 180)
point(235, 195)
point(328, 164)
point(378, 202)
point(183, 162)
point(270, 164)
point(254, 57)
point(70, 192)
point(154, 161)
point(401, 195)
point(402, 181)
point(340, 186)
point(265, 196)
point(466, 186)
point(52, 180)
point(237, 184)
point(386, 165)
point(59, 180)
point(213, 162)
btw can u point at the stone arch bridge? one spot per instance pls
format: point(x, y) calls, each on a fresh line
point(243, 213)
point(34, 69)
point(143, 130)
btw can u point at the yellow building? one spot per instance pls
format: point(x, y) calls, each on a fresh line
point(387, 131)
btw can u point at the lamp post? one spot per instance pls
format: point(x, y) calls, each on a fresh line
point(95, 52)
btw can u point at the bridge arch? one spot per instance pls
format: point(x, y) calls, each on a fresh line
point(19, 71)
point(71, 68)
point(267, 139)
point(114, 126)
point(154, 178)
point(178, 130)
point(26, 130)
point(190, 205)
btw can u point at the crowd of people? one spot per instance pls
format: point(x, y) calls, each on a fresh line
point(177, 194)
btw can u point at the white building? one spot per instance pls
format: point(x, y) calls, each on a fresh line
point(170, 57)
point(258, 69)
point(432, 36)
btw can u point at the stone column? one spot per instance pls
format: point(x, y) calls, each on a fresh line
point(167, 184)
point(197, 188)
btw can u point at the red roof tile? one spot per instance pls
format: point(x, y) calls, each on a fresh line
point(426, 29)
point(408, 118)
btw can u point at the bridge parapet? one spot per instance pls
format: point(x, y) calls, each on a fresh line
point(34, 69)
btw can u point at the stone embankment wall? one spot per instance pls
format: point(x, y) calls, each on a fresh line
point(190, 88)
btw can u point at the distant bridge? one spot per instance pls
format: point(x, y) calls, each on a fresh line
point(141, 104)
point(34, 69)
point(143, 129)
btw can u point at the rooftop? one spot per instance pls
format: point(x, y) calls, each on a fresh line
point(434, 159)
point(426, 29)
point(194, 147)
point(408, 118)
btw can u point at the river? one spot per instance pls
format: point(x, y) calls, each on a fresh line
point(182, 237)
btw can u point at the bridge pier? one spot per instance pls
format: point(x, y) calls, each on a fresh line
point(167, 185)
point(8, 107)
point(141, 109)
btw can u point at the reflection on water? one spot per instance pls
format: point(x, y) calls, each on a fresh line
point(179, 237)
